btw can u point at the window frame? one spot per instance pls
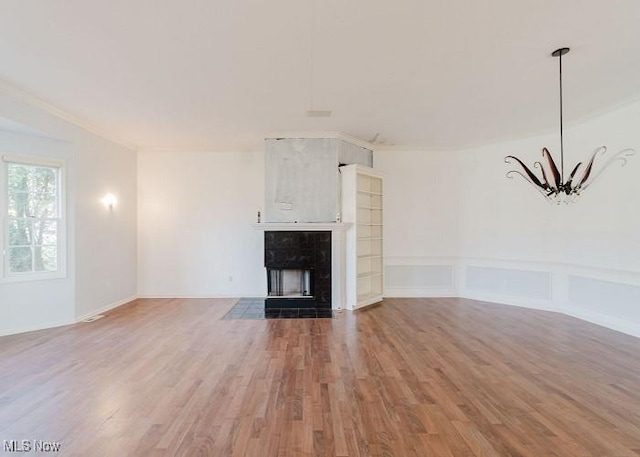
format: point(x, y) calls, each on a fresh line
point(61, 245)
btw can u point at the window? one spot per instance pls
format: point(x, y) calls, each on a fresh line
point(34, 225)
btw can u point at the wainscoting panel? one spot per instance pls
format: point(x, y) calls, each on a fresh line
point(529, 284)
point(595, 295)
point(613, 304)
point(610, 298)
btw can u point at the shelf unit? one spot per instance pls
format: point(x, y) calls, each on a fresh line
point(362, 196)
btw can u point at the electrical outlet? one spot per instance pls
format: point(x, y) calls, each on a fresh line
point(230, 278)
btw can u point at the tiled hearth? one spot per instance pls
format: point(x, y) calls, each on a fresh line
point(253, 308)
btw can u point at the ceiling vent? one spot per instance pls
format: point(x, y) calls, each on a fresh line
point(318, 113)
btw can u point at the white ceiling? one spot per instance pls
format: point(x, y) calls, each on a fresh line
point(211, 74)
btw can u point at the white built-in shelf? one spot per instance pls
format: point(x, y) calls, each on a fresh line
point(368, 299)
point(362, 205)
point(369, 274)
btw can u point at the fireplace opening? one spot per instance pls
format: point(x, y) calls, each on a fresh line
point(290, 282)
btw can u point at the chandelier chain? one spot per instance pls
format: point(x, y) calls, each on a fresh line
point(561, 128)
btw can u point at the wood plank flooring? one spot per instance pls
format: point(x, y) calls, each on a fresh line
point(411, 377)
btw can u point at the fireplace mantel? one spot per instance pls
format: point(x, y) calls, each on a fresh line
point(338, 259)
point(302, 226)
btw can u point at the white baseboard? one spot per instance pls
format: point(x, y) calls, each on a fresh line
point(54, 324)
point(542, 305)
point(418, 292)
point(106, 308)
point(33, 328)
point(603, 320)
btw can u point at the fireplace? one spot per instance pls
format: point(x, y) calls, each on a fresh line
point(298, 269)
point(290, 282)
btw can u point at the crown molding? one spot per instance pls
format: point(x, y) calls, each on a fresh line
point(330, 134)
point(47, 107)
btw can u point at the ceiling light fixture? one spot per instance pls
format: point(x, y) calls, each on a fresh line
point(552, 184)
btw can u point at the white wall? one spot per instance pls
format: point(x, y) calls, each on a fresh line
point(196, 211)
point(504, 242)
point(421, 221)
point(507, 219)
point(106, 240)
point(559, 251)
point(454, 226)
point(194, 214)
point(101, 260)
point(36, 304)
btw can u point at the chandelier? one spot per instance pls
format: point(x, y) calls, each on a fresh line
point(551, 181)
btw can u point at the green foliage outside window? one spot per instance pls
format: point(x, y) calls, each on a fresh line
point(33, 218)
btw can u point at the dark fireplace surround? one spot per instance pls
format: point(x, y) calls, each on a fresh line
point(298, 257)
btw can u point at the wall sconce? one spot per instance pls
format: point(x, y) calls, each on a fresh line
point(109, 201)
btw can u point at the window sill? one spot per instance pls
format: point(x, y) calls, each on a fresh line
point(33, 277)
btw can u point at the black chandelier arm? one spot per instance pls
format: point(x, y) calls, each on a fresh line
point(589, 167)
point(621, 156)
point(534, 179)
point(557, 177)
point(548, 185)
point(568, 188)
point(546, 193)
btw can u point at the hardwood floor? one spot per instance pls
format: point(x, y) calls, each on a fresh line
point(412, 377)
